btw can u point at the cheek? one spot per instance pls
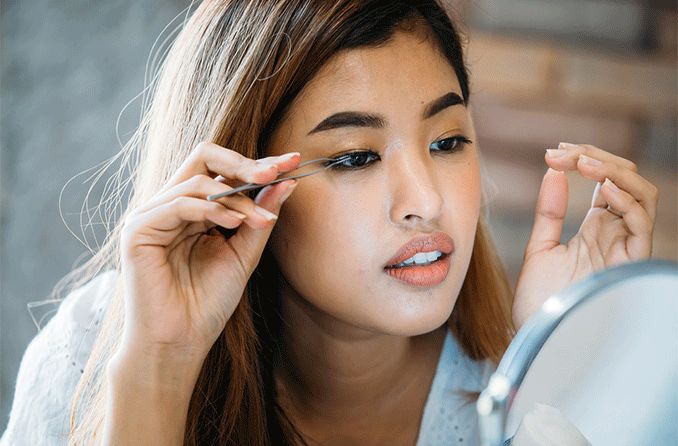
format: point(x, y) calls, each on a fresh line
point(331, 243)
point(463, 202)
point(317, 246)
point(470, 184)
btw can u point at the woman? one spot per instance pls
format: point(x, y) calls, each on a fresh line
point(289, 314)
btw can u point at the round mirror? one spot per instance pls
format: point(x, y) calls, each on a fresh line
point(603, 353)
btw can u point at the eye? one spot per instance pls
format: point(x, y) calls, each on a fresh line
point(453, 144)
point(353, 160)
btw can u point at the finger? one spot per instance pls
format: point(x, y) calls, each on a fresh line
point(638, 222)
point(161, 225)
point(641, 189)
point(550, 212)
point(211, 159)
point(284, 162)
point(200, 186)
point(251, 242)
point(565, 157)
point(597, 200)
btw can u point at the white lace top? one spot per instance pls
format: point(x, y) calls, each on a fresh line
point(53, 362)
point(449, 418)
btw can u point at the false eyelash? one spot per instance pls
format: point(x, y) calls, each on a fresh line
point(461, 140)
point(336, 163)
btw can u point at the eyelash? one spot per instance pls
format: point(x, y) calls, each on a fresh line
point(338, 163)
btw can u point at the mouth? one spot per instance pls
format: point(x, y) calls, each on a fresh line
point(414, 262)
point(423, 261)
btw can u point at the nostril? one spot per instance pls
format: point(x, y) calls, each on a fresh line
point(411, 201)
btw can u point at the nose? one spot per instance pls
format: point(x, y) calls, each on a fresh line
point(415, 196)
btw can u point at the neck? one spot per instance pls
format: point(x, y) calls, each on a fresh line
point(331, 373)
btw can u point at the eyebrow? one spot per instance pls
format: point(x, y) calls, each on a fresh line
point(369, 120)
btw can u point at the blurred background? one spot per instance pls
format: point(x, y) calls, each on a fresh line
point(543, 71)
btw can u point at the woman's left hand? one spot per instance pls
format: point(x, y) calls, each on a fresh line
point(617, 229)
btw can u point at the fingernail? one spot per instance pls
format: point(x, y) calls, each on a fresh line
point(287, 192)
point(287, 156)
point(265, 213)
point(236, 214)
point(590, 161)
point(555, 153)
point(567, 145)
point(613, 187)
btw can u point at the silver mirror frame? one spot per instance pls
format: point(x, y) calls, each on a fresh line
point(496, 399)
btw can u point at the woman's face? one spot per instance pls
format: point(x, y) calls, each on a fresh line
point(340, 228)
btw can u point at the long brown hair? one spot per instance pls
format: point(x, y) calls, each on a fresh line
point(229, 77)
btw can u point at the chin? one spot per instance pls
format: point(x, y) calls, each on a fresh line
point(415, 318)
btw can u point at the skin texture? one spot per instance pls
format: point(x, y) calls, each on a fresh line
point(617, 229)
point(362, 345)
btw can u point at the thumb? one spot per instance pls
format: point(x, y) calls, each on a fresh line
point(249, 242)
point(550, 212)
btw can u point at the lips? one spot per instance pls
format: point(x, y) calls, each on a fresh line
point(438, 241)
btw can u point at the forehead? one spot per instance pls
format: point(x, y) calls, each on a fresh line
point(402, 74)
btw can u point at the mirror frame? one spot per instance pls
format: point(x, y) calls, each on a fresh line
point(497, 398)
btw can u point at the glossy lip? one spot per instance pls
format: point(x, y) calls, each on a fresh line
point(422, 275)
point(438, 241)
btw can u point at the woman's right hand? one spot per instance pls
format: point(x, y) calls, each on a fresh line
point(181, 282)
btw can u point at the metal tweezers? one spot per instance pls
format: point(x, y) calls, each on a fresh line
point(250, 186)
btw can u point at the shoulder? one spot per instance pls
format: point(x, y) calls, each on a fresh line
point(52, 364)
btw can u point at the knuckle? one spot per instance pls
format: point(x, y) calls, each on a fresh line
point(589, 148)
point(199, 181)
point(632, 166)
point(178, 203)
point(202, 149)
point(130, 222)
point(128, 231)
point(243, 162)
point(647, 227)
point(234, 155)
point(631, 201)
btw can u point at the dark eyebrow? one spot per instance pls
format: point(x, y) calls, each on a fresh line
point(368, 120)
point(440, 104)
point(350, 119)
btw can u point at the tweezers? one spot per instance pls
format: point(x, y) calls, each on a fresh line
point(251, 186)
